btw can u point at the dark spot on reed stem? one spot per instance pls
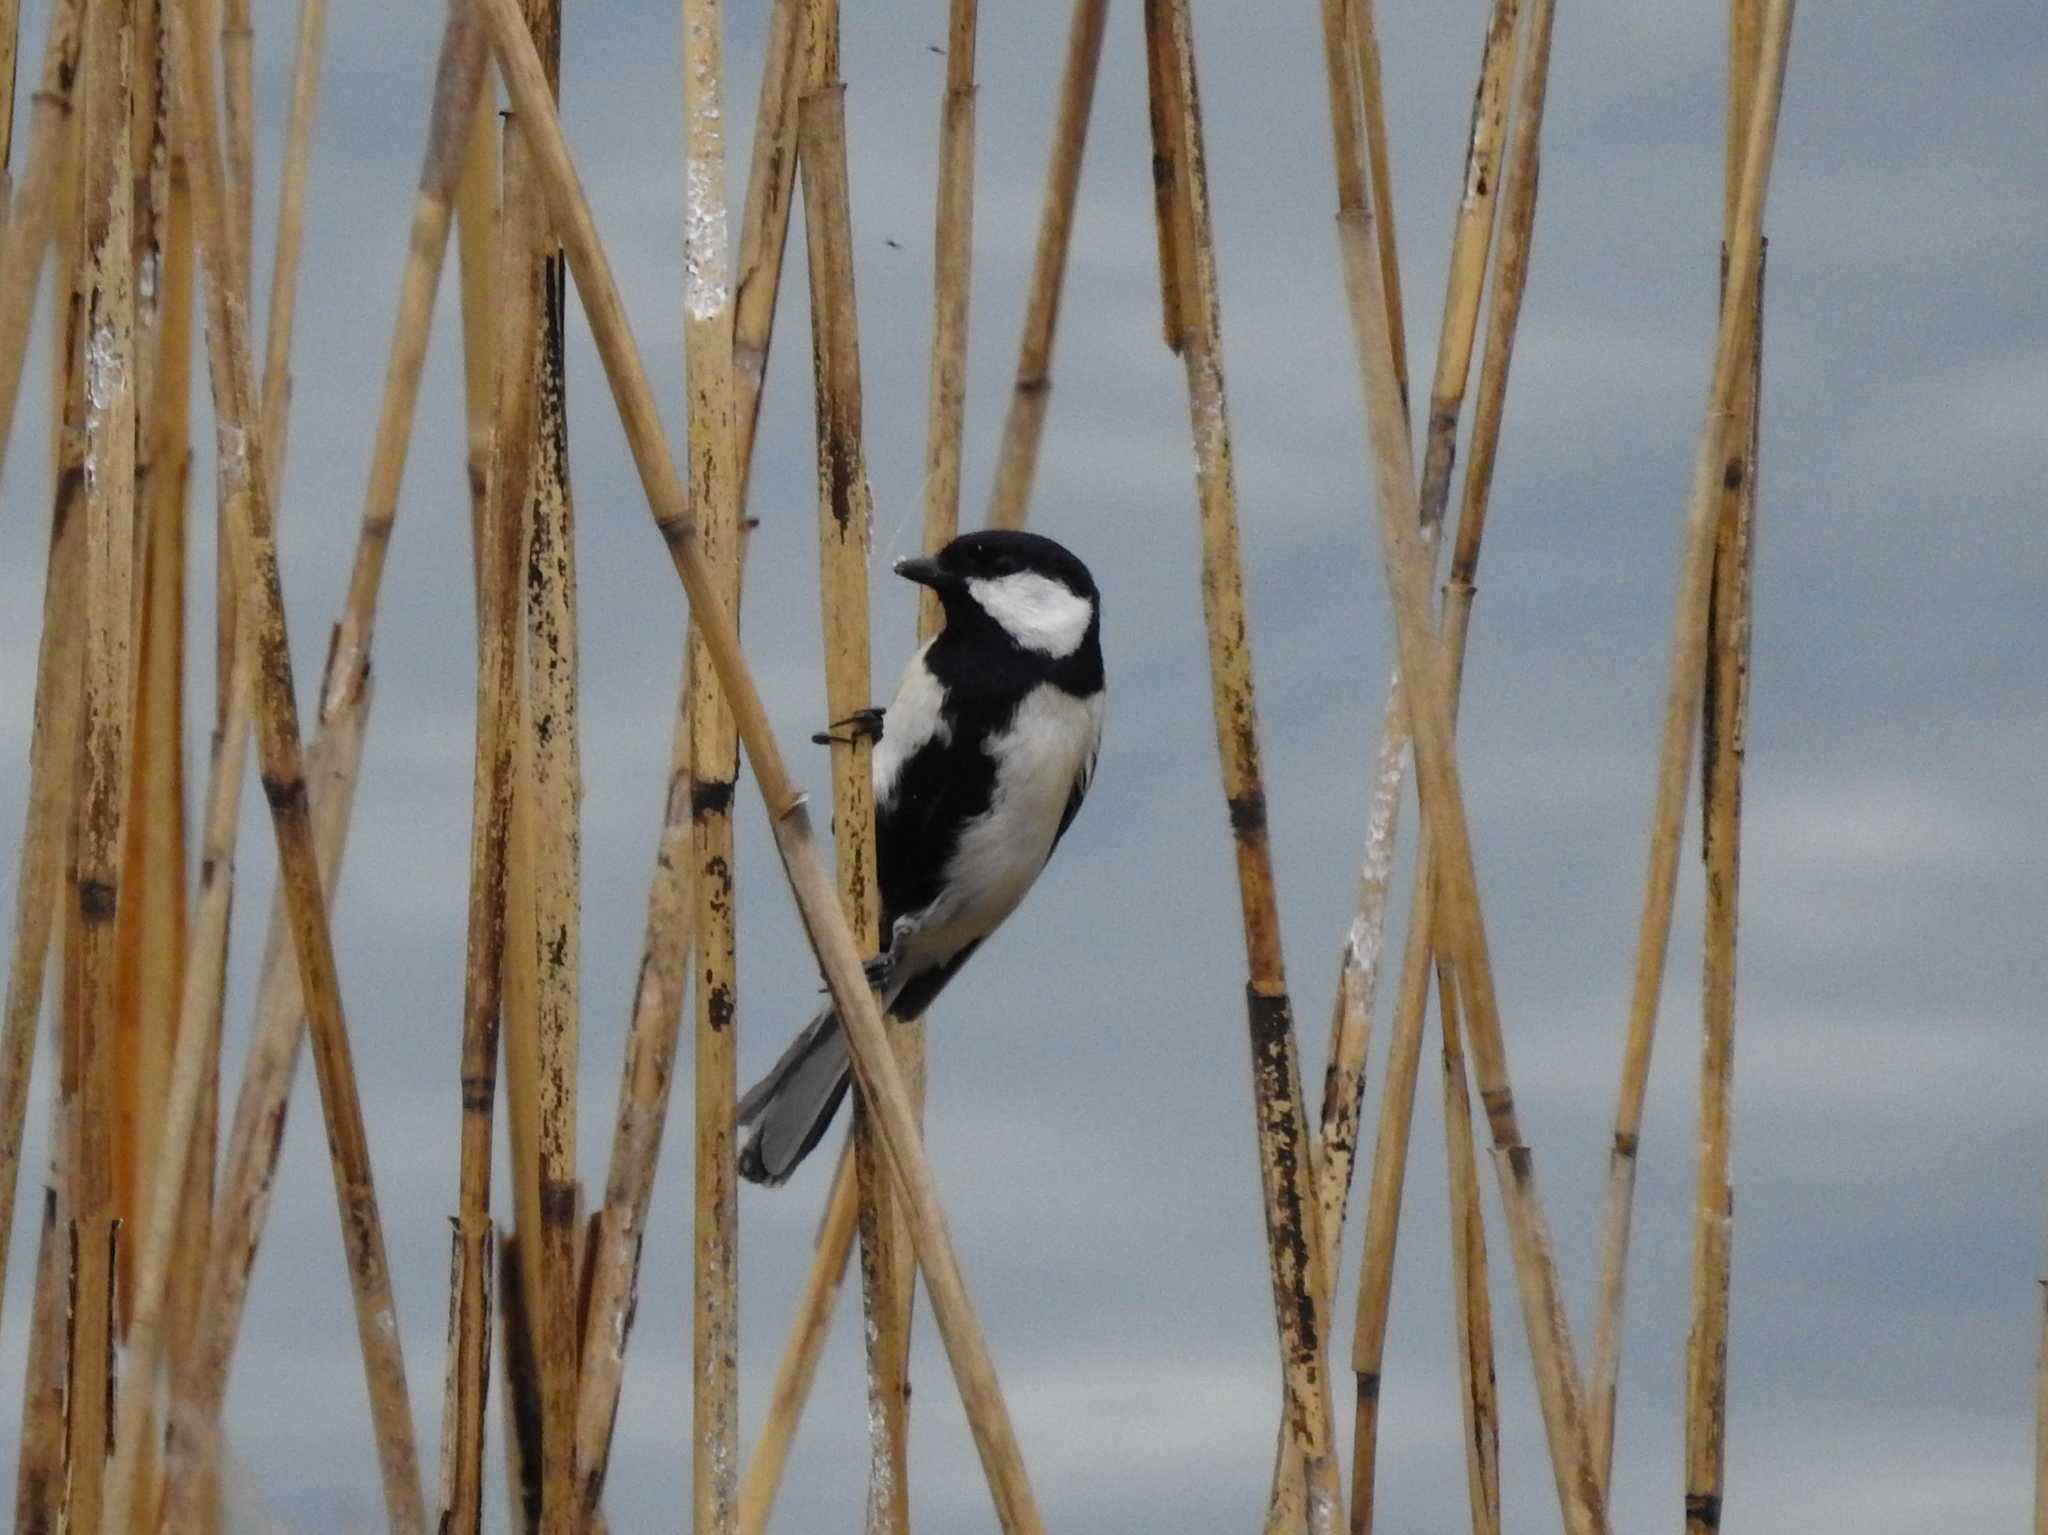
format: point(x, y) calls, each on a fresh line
point(97, 899)
point(284, 793)
point(1248, 813)
point(710, 796)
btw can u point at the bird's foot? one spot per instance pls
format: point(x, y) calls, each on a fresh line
point(861, 724)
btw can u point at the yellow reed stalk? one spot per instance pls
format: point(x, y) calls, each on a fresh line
point(1681, 710)
point(490, 925)
point(238, 126)
point(845, 528)
point(32, 216)
point(10, 41)
point(714, 769)
point(466, 1384)
point(764, 222)
point(1358, 964)
point(1284, 1142)
point(331, 770)
point(1024, 424)
point(840, 958)
point(285, 786)
point(1365, 39)
point(1471, 1304)
point(799, 1364)
point(291, 218)
point(1724, 708)
point(1404, 1056)
point(107, 331)
point(476, 212)
point(39, 1474)
point(197, 1048)
point(952, 258)
point(1457, 904)
point(645, 1083)
point(53, 750)
point(553, 778)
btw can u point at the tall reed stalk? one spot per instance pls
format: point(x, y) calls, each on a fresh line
point(1724, 725)
point(32, 215)
point(645, 1082)
point(845, 533)
point(52, 758)
point(1681, 709)
point(841, 959)
point(332, 764)
point(1024, 423)
point(714, 770)
point(108, 333)
point(1472, 231)
point(1458, 917)
point(285, 787)
point(1299, 1300)
point(1359, 960)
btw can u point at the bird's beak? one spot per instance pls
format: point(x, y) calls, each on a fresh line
point(927, 572)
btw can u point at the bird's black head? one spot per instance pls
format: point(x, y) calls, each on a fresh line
point(1018, 588)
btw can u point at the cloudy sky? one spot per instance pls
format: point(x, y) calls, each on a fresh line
point(1090, 1117)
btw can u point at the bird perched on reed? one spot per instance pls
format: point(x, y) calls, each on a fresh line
point(985, 754)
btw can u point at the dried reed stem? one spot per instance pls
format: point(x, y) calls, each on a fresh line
point(43, 1466)
point(764, 223)
point(39, 1476)
point(331, 770)
point(1287, 1178)
point(1457, 907)
point(799, 1364)
point(845, 528)
point(242, 472)
point(476, 212)
point(32, 216)
point(53, 751)
point(473, 1248)
point(1471, 1304)
point(1724, 719)
point(1024, 424)
point(148, 929)
point(106, 289)
point(238, 127)
point(1358, 966)
point(167, 443)
point(952, 256)
point(197, 1049)
point(1468, 256)
point(498, 743)
point(552, 787)
point(1365, 39)
point(840, 957)
point(1681, 709)
point(291, 210)
point(645, 1083)
point(643, 1111)
point(10, 42)
point(714, 770)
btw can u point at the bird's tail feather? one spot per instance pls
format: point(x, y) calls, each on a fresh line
point(791, 1107)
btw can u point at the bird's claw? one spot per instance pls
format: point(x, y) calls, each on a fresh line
point(861, 724)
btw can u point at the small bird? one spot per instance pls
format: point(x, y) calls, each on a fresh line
point(985, 754)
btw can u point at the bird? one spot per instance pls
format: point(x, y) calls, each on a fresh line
point(983, 759)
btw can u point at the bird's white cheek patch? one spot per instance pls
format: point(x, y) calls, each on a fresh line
point(1038, 613)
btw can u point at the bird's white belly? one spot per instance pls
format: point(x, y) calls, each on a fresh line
point(1049, 747)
